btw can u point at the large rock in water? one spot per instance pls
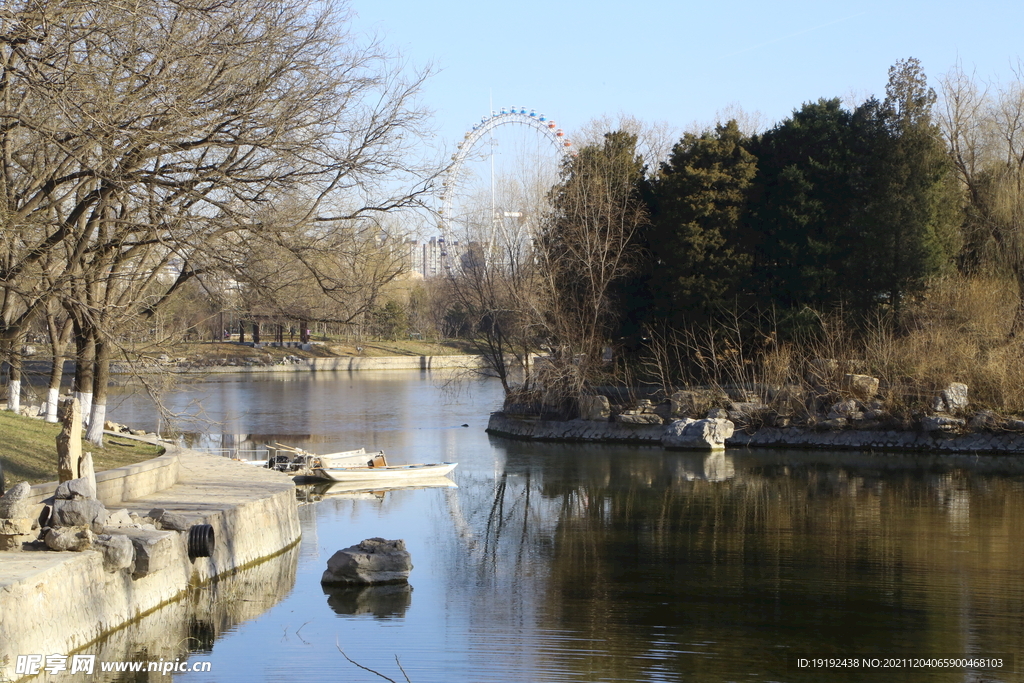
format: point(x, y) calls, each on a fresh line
point(374, 561)
point(704, 435)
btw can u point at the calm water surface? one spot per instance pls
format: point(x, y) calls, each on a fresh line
point(600, 563)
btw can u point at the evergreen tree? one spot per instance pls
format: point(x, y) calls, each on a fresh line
point(700, 248)
point(804, 200)
point(907, 225)
point(854, 208)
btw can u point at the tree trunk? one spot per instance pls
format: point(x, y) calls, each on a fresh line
point(58, 343)
point(85, 345)
point(101, 379)
point(1017, 328)
point(14, 380)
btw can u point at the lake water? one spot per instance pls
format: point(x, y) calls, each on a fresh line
point(559, 563)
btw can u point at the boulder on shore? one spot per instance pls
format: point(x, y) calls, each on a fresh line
point(706, 434)
point(861, 386)
point(80, 512)
point(73, 538)
point(639, 419)
point(942, 423)
point(595, 408)
point(952, 399)
point(118, 551)
point(373, 561)
point(75, 489)
point(69, 441)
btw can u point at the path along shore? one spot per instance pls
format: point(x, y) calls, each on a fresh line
point(61, 602)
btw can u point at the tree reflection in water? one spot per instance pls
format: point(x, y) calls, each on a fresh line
point(700, 564)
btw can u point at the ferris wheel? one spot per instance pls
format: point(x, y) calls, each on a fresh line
point(547, 128)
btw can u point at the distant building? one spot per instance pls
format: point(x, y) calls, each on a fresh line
point(429, 258)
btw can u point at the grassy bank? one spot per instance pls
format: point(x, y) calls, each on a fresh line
point(28, 450)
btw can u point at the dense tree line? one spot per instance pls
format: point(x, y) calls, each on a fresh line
point(834, 209)
point(829, 207)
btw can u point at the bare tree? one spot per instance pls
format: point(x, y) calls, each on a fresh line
point(492, 284)
point(138, 139)
point(315, 274)
point(58, 328)
point(654, 139)
point(588, 245)
point(984, 128)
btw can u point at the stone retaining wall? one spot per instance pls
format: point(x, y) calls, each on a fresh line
point(125, 483)
point(574, 430)
point(60, 602)
point(338, 364)
point(790, 437)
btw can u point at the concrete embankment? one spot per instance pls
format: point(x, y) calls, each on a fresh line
point(60, 602)
point(333, 364)
point(1004, 443)
point(345, 364)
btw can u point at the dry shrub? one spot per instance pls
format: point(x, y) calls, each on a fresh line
point(959, 332)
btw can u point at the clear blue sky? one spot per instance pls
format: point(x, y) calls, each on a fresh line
point(680, 62)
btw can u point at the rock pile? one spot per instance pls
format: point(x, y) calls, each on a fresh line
point(79, 522)
point(645, 413)
point(19, 518)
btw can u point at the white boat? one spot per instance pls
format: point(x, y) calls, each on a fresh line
point(302, 463)
point(384, 473)
point(356, 466)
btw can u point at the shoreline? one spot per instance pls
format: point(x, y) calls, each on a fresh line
point(319, 364)
point(594, 431)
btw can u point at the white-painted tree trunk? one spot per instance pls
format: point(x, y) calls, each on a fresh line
point(94, 434)
point(14, 396)
point(85, 400)
point(52, 399)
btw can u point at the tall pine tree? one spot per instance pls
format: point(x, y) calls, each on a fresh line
point(698, 239)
